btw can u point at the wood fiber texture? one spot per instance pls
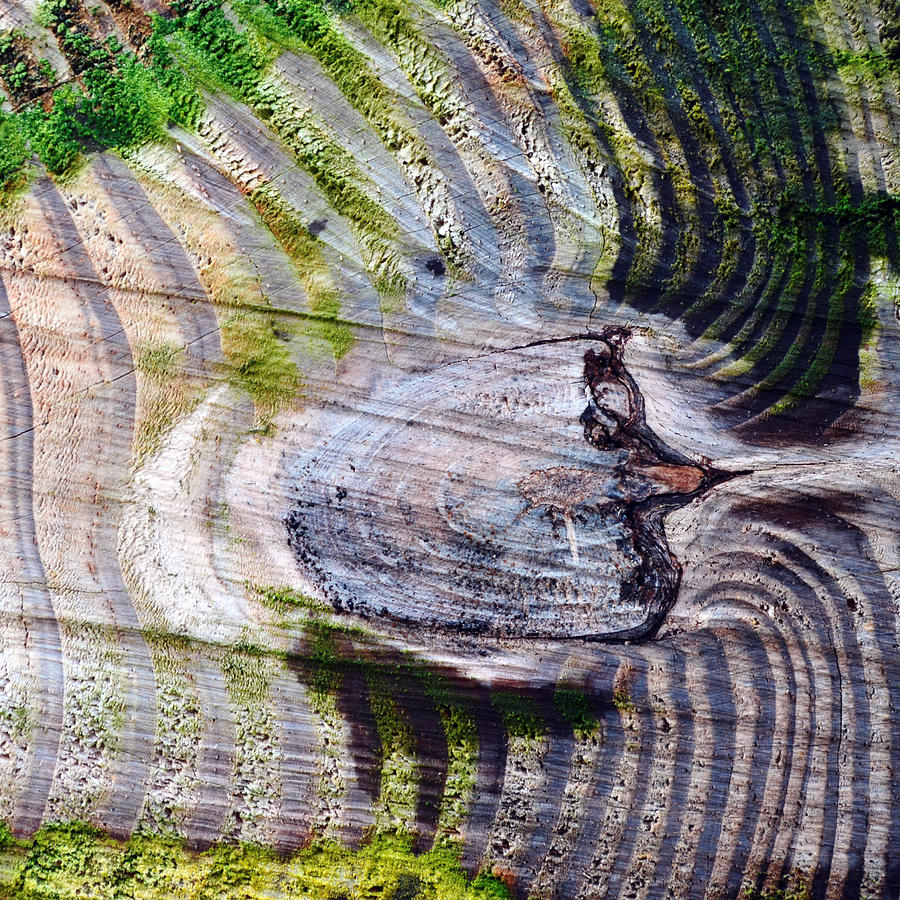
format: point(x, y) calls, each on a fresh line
point(473, 418)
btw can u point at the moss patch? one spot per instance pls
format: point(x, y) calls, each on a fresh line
point(76, 861)
point(575, 708)
point(461, 732)
point(396, 805)
point(796, 889)
point(260, 363)
point(117, 101)
point(283, 600)
point(520, 715)
point(305, 251)
point(209, 47)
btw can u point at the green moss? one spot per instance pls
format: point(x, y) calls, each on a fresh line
point(13, 151)
point(770, 260)
point(809, 381)
point(186, 107)
point(622, 700)
point(868, 313)
point(245, 670)
point(23, 76)
point(461, 733)
point(396, 804)
point(754, 76)
point(306, 26)
point(124, 107)
point(260, 363)
point(54, 135)
point(730, 227)
point(16, 721)
point(305, 251)
point(149, 865)
point(792, 222)
point(721, 46)
point(162, 362)
point(6, 837)
point(797, 889)
point(871, 64)
point(120, 101)
point(519, 714)
point(283, 599)
point(576, 709)
point(786, 301)
point(240, 871)
point(212, 50)
point(331, 653)
point(324, 665)
point(64, 862)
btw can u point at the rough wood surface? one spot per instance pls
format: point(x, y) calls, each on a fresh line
point(481, 422)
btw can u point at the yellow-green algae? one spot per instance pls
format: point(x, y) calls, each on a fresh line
point(75, 860)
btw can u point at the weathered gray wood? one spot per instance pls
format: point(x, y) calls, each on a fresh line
point(294, 549)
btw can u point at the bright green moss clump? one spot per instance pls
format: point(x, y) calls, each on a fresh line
point(13, 152)
point(124, 107)
point(119, 101)
point(76, 861)
point(396, 805)
point(284, 600)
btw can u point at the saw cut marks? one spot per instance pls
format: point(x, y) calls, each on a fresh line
point(466, 423)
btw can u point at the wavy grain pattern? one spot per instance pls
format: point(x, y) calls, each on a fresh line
point(474, 418)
